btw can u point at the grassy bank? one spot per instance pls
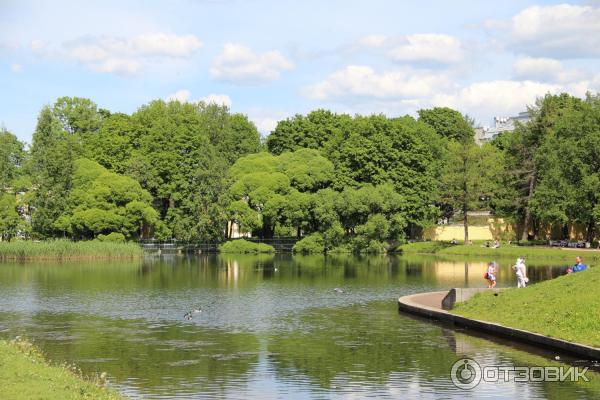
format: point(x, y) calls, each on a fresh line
point(567, 307)
point(64, 249)
point(504, 251)
point(25, 374)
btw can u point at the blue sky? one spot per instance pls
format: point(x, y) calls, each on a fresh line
point(272, 59)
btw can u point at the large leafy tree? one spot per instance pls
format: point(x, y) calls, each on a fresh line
point(53, 152)
point(277, 189)
point(102, 202)
point(10, 220)
point(448, 123)
point(568, 166)
point(527, 153)
point(372, 150)
point(180, 152)
point(312, 131)
point(470, 178)
point(12, 157)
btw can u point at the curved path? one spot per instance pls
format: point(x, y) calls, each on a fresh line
point(430, 305)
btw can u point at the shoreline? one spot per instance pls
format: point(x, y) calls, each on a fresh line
point(26, 373)
point(504, 251)
point(426, 305)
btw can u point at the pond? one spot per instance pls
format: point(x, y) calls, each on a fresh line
point(270, 327)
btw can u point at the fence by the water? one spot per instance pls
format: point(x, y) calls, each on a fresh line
point(282, 244)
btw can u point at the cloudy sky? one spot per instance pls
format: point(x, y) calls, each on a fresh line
point(271, 59)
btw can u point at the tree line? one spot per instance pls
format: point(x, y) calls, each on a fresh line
point(356, 183)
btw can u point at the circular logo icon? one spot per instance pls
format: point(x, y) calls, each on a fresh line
point(465, 373)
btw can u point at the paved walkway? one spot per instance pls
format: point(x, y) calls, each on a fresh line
point(430, 305)
point(431, 299)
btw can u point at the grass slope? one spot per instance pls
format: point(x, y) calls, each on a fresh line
point(506, 251)
point(65, 249)
point(566, 308)
point(25, 374)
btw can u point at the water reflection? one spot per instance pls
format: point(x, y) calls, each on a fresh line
point(271, 326)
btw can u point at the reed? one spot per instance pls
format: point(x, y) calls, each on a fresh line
point(65, 249)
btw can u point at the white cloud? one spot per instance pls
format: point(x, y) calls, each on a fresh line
point(16, 68)
point(373, 41)
point(501, 97)
point(184, 95)
point(558, 31)
point(181, 95)
point(239, 64)
point(364, 81)
point(544, 70)
point(219, 99)
point(266, 119)
point(38, 45)
point(122, 56)
point(119, 66)
point(418, 48)
point(444, 49)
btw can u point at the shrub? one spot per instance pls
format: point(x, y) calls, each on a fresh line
point(245, 247)
point(312, 244)
point(113, 237)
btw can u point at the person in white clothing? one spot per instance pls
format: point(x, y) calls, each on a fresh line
point(521, 272)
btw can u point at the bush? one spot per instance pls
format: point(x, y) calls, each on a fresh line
point(312, 244)
point(113, 237)
point(342, 249)
point(242, 246)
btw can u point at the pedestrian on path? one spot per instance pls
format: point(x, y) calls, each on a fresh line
point(521, 272)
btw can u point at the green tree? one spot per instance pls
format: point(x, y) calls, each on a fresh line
point(12, 157)
point(181, 153)
point(53, 152)
point(522, 154)
point(312, 131)
point(470, 178)
point(102, 202)
point(448, 123)
point(567, 166)
point(10, 220)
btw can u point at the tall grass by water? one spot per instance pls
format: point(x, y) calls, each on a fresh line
point(65, 249)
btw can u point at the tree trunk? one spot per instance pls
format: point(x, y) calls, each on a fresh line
point(591, 230)
point(466, 222)
point(527, 219)
point(465, 205)
point(298, 232)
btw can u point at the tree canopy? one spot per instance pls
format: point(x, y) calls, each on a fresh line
point(192, 170)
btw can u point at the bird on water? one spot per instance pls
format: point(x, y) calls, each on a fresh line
point(190, 314)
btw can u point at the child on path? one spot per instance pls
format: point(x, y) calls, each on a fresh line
point(491, 275)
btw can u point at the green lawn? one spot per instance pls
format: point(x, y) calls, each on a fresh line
point(505, 251)
point(567, 307)
point(25, 374)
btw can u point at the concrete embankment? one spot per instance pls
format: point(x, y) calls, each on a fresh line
point(430, 305)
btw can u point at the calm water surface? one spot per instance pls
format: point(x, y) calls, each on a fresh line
point(271, 327)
